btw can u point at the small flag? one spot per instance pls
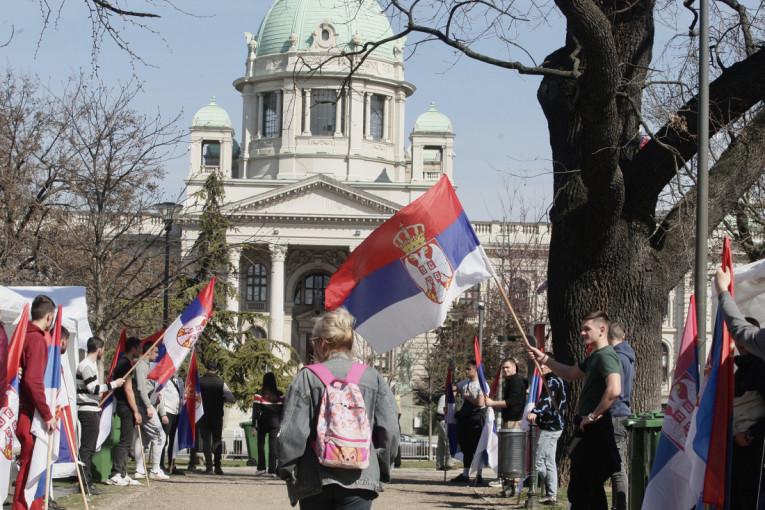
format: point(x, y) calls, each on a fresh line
point(110, 405)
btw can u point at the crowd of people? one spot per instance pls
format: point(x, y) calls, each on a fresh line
point(334, 436)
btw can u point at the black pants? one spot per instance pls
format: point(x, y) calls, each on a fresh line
point(337, 497)
point(272, 432)
point(211, 430)
point(170, 429)
point(469, 430)
point(745, 475)
point(89, 421)
point(594, 457)
point(127, 429)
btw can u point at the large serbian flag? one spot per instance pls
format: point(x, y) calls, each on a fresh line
point(488, 444)
point(191, 410)
point(402, 279)
point(182, 334)
point(9, 414)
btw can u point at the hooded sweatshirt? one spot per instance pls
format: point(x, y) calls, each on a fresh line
point(621, 406)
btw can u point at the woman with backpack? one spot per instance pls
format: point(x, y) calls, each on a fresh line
point(339, 432)
point(266, 419)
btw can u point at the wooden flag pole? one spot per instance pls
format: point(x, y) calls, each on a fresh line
point(69, 438)
point(47, 469)
point(143, 457)
point(145, 354)
point(525, 341)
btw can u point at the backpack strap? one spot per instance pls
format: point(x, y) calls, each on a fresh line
point(323, 373)
point(355, 373)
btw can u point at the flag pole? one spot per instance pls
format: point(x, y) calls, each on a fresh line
point(143, 457)
point(525, 341)
point(69, 439)
point(47, 469)
point(144, 355)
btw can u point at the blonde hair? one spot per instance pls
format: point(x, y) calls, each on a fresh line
point(335, 329)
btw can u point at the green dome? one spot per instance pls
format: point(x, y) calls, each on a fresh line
point(433, 121)
point(212, 115)
point(362, 19)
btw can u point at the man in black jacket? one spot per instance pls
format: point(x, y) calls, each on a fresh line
point(215, 393)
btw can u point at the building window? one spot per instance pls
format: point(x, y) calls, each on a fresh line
point(376, 112)
point(257, 283)
point(259, 332)
point(311, 290)
point(664, 363)
point(270, 127)
point(324, 104)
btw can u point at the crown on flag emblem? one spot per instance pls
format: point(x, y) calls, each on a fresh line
point(411, 238)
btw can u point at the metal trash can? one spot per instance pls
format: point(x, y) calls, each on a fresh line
point(511, 454)
point(645, 430)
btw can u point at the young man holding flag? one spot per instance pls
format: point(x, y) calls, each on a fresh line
point(470, 420)
point(34, 359)
point(593, 452)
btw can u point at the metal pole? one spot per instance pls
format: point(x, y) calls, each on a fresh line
point(702, 213)
point(166, 291)
point(481, 312)
point(532, 501)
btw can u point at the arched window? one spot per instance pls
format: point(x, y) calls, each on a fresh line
point(664, 363)
point(311, 289)
point(259, 332)
point(257, 283)
point(376, 113)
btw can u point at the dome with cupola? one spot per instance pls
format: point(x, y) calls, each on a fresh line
point(321, 25)
point(211, 116)
point(433, 121)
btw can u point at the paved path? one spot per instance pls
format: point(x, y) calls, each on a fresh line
point(413, 488)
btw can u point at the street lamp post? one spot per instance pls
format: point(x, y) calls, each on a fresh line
point(167, 212)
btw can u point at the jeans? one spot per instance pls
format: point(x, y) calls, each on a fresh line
point(127, 428)
point(271, 449)
point(619, 482)
point(89, 422)
point(337, 497)
point(547, 446)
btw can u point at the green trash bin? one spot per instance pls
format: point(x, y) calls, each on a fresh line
point(101, 466)
point(645, 430)
point(252, 443)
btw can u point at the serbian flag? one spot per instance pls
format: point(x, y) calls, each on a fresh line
point(488, 444)
point(181, 335)
point(710, 440)
point(34, 492)
point(407, 272)
point(191, 409)
point(451, 419)
point(669, 483)
point(535, 390)
point(110, 405)
point(10, 413)
point(67, 451)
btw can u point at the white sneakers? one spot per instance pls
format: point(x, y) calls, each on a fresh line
point(121, 481)
point(158, 475)
point(260, 472)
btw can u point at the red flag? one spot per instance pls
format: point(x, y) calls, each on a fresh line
point(118, 353)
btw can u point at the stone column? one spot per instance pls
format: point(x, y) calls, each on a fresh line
point(367, 120)
point(307, 113)
point(258, 127)
point(276, 293)
point(338, 114)
point(232, 302)
point(279, 114)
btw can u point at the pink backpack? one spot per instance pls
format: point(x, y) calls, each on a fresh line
point(343, 432)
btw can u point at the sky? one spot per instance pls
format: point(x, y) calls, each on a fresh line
point(502, 163)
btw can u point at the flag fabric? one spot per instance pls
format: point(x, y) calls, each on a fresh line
point(451, 419)
point(495, 384)
point(39, 477)
point(67, 451)
point(709, 442)
point(535, 390)
point(110, 404)
point(488, 444)
point(161, 349)
point(669, 481)
point(409, 270)
point(9, 414)
point(191, 409)
point(181, 335)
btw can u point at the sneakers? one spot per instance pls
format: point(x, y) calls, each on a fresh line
point(495, 483)
point(130, 481)
point(260, 472)
point(117, 480)
point(549, 500)
point(460, 478)
point(272, 475)
point(139, 475)
point(158, 475)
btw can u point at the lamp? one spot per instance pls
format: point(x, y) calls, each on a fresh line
point(167, 212)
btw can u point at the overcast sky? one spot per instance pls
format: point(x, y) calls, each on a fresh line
point(501, 132)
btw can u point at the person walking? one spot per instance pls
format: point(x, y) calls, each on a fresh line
point(266, 419)
point(620, 411)
point(593, 452)
point(152, 418)
point(310, 483)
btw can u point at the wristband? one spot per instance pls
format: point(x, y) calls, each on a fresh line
point(591, 418)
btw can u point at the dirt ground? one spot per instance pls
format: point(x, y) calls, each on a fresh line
point(239, 488)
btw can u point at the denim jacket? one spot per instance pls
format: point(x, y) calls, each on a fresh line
point(297, 461)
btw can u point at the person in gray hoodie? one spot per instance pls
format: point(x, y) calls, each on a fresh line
point(620, 410)
point(314, 485)
point(151, 418)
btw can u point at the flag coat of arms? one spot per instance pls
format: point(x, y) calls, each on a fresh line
point(181, 335)
point(109, 406)
point(409, 270)
point(191, 409)
point(10, 413)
